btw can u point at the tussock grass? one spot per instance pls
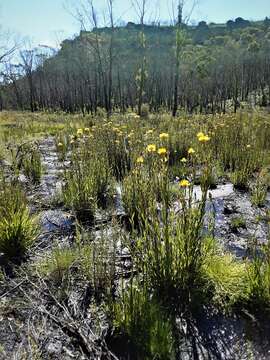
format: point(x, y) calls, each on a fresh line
point(18, 229)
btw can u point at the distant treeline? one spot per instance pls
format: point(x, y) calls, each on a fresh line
point(199, 68)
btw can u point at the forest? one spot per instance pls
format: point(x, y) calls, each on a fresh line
point(196, 68)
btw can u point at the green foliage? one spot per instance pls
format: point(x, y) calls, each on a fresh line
point(226, 277)
point(238, 222)
point(259, 191)
point(58, 264)
point(87, 184)
point(259, 279)
point(62, 143)
point(28, 160)
point(98, 264)
point(18, 229)
point(140, 320)
point(138, 197)
point(171, 256)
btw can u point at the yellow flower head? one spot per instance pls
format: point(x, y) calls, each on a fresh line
point(80, 132)
point(191, 151)
point(183, 160)
point(163, 136)
point(162, 151)
point(60, 145)
point(204, 138)
point(86, 130)
point(184, 183)
point(140, 160)
point(151, 148)
point(200, 134)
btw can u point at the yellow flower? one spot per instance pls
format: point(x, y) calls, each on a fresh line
point(140, 160)
point(191, 151)
point(184, 183)
point(183, 160)
point(80, 132)
point(200, 134)
point(87, 130)
point(151, 148)
point(204, 138)
point(162, 151)
point(60, 145)
point(163, 136)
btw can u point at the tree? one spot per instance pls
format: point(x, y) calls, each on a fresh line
point(8, 45)
point(27, 57)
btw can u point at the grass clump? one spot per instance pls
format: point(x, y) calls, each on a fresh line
point(58, 264)
point(259, 190)
point(138, 198)
point(18, 229)
point(226, 277)
point(259, 279)
point(88, 184)
point(28, 160)
point(144, 328)
point(237, 223)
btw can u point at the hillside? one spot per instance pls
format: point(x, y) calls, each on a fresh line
point(210, 65)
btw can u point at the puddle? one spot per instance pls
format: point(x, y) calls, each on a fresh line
point(56, 220)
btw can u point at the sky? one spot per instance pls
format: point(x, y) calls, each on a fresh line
point(48, 22)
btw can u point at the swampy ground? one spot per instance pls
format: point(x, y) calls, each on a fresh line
point(134, 237)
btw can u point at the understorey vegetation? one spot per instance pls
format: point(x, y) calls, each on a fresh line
point(138, 250)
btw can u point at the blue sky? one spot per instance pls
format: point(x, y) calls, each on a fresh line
point(45, 21)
